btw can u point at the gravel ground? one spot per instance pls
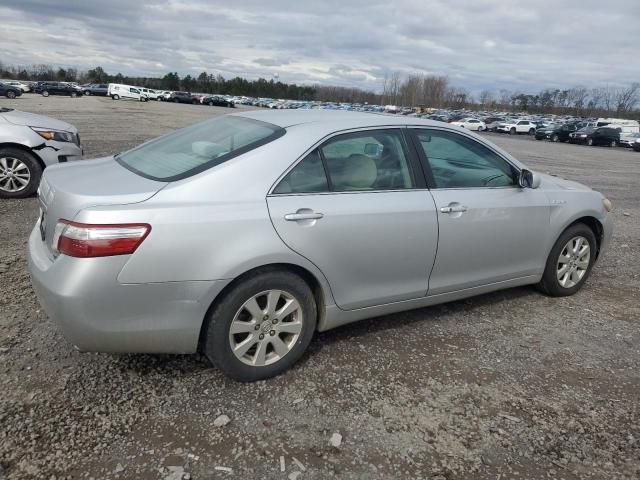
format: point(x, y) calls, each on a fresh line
point(503, 386)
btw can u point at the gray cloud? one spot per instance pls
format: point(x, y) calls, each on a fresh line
point(477, 43)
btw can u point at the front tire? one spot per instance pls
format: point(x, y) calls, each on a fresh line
point(555, 138)
point(512, 131)
point(570, 262)
point(11, 94)
point(20, 173)
point(115, 97)
point(45, 93)
point(590, 142)
point(261, 327)
point(614, 144)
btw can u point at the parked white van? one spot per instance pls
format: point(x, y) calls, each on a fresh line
point(117, 91)
point(625, 126)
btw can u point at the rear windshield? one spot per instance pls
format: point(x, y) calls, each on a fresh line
point(199, 147)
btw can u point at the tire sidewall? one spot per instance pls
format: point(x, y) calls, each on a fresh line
point(216, 340)
point(35, 169)
point(550, 281)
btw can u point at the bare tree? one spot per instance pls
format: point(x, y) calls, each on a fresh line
point(627, 98)
point(485, 98)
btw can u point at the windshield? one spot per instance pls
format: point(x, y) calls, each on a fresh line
point(197, 148)
point(587, 130)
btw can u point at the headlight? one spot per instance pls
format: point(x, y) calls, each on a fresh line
point(56, 135)
point(606, 203)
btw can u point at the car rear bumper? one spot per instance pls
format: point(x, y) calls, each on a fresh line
point(96, 313)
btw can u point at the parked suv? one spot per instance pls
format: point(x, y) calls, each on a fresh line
point(9, 91)
point(96, 89)
point(556, 132)
point(28, 144)
point(603, 136)
point(182, 97)
point(518, 126)
point(58, 88)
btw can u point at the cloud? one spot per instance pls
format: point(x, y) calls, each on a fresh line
point(519, 46)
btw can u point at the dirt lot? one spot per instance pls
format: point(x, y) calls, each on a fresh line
point(503, 386)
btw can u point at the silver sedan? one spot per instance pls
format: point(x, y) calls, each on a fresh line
point(243, 235)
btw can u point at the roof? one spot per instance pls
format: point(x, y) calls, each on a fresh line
point(336, 118)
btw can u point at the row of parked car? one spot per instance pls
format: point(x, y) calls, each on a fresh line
point(120, 91)
point(611, 132)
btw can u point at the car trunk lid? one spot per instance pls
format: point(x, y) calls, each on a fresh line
point(67, 189)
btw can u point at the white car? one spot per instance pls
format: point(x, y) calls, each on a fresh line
point(471, 124)
point(15, 83)
point(518, 126)
point(628, 139)
point(151, 94)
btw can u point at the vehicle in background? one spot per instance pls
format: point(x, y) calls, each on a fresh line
point(182, 97)
point(163, 95)
point(608, 136)
point(228, 237)
point(556, 132)
point(492, 123)
point(28, 144)
point(216, 101)
point(470, 124)
point(96, 89)
point(581, 135)
point(9, 91)
point(625, 126)
point(117, 91)
point(517, 126)
point(151, 94)
point(628, 139)
point(58, 88)
point(24, 87)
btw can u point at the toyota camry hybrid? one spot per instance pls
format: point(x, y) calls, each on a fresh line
point(241, 236)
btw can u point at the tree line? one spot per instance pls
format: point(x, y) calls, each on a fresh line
point(437, 91)
point(411, 90)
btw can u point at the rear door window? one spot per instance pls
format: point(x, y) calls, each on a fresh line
point(197, 148)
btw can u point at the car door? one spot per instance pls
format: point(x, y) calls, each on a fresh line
point(490, 229)
point(357, 208)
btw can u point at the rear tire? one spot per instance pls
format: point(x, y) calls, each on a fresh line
point(550, 283)
point(532, 131)
point(45, 93)
point(555, 138)
point(115, 97)
point(217, 341)
point(25, 167)
point(73, 94)
point(11, 94)
point(589, 142)
point(614, 144)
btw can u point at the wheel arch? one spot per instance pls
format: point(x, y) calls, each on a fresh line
point(26, 149)
point(596, 227)
point(310, 279)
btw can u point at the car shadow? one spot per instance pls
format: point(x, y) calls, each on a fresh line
point(196, 364)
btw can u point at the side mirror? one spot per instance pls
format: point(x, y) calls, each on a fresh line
point(529, 179)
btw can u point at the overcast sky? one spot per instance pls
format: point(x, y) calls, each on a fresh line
point(515, 44)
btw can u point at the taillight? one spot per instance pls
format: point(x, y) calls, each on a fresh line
point(88, 240)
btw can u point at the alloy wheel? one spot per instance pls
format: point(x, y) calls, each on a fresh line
point(266, 328)
point(14, 175)
point(573, 262)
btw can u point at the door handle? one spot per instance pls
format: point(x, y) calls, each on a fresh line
point(453, 209)
point(295, 217)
